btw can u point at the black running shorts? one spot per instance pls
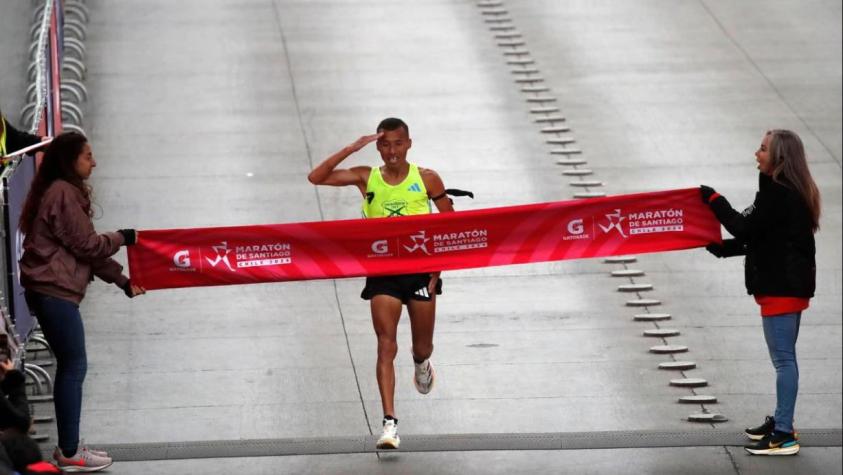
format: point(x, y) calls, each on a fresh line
point(403, 287)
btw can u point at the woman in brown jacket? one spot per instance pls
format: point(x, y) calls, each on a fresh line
point(62, 254)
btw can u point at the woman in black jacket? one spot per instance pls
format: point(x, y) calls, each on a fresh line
point(12, 139)
point(776, 234)
point(17, 449)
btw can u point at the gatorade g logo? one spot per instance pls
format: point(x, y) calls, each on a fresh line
point(576, 231)
point(182, 259)
point(380, 247)
point(575, 227)
point(394, 208)
point(182, 262)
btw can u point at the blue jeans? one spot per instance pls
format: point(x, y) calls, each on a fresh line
point(62, 326)
point(781, 332)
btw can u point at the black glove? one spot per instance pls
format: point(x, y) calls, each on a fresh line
point(127, 288)
point(706, 192)
point(716, 249)
point(130, 236)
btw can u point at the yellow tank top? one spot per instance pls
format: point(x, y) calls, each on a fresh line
point(406, 198)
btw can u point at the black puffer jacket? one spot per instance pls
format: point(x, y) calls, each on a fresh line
point(16, 139)
point(775, 233)
point(14, 408)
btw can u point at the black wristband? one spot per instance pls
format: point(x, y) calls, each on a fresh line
point(129, 236)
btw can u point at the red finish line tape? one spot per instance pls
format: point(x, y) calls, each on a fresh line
point(597, 227)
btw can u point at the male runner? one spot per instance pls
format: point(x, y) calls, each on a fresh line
point(397, 188)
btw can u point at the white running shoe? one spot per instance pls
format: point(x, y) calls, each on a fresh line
point(82, 461)
point(423, 379)
point(389, 439)
point(100, 453)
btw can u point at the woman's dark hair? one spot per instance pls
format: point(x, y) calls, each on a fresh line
point(787, 155)
point(58, 164)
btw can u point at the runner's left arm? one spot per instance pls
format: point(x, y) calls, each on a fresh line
point(435, 189)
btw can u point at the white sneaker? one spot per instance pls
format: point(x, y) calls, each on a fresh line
point(424, 376)
point(82, 461)
point(389, 439)
point(100, 453)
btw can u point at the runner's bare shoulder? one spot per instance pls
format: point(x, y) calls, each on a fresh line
point(362, 173)
point(431, 178)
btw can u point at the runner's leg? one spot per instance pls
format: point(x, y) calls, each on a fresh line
point(422, 320)
point(386, 311)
